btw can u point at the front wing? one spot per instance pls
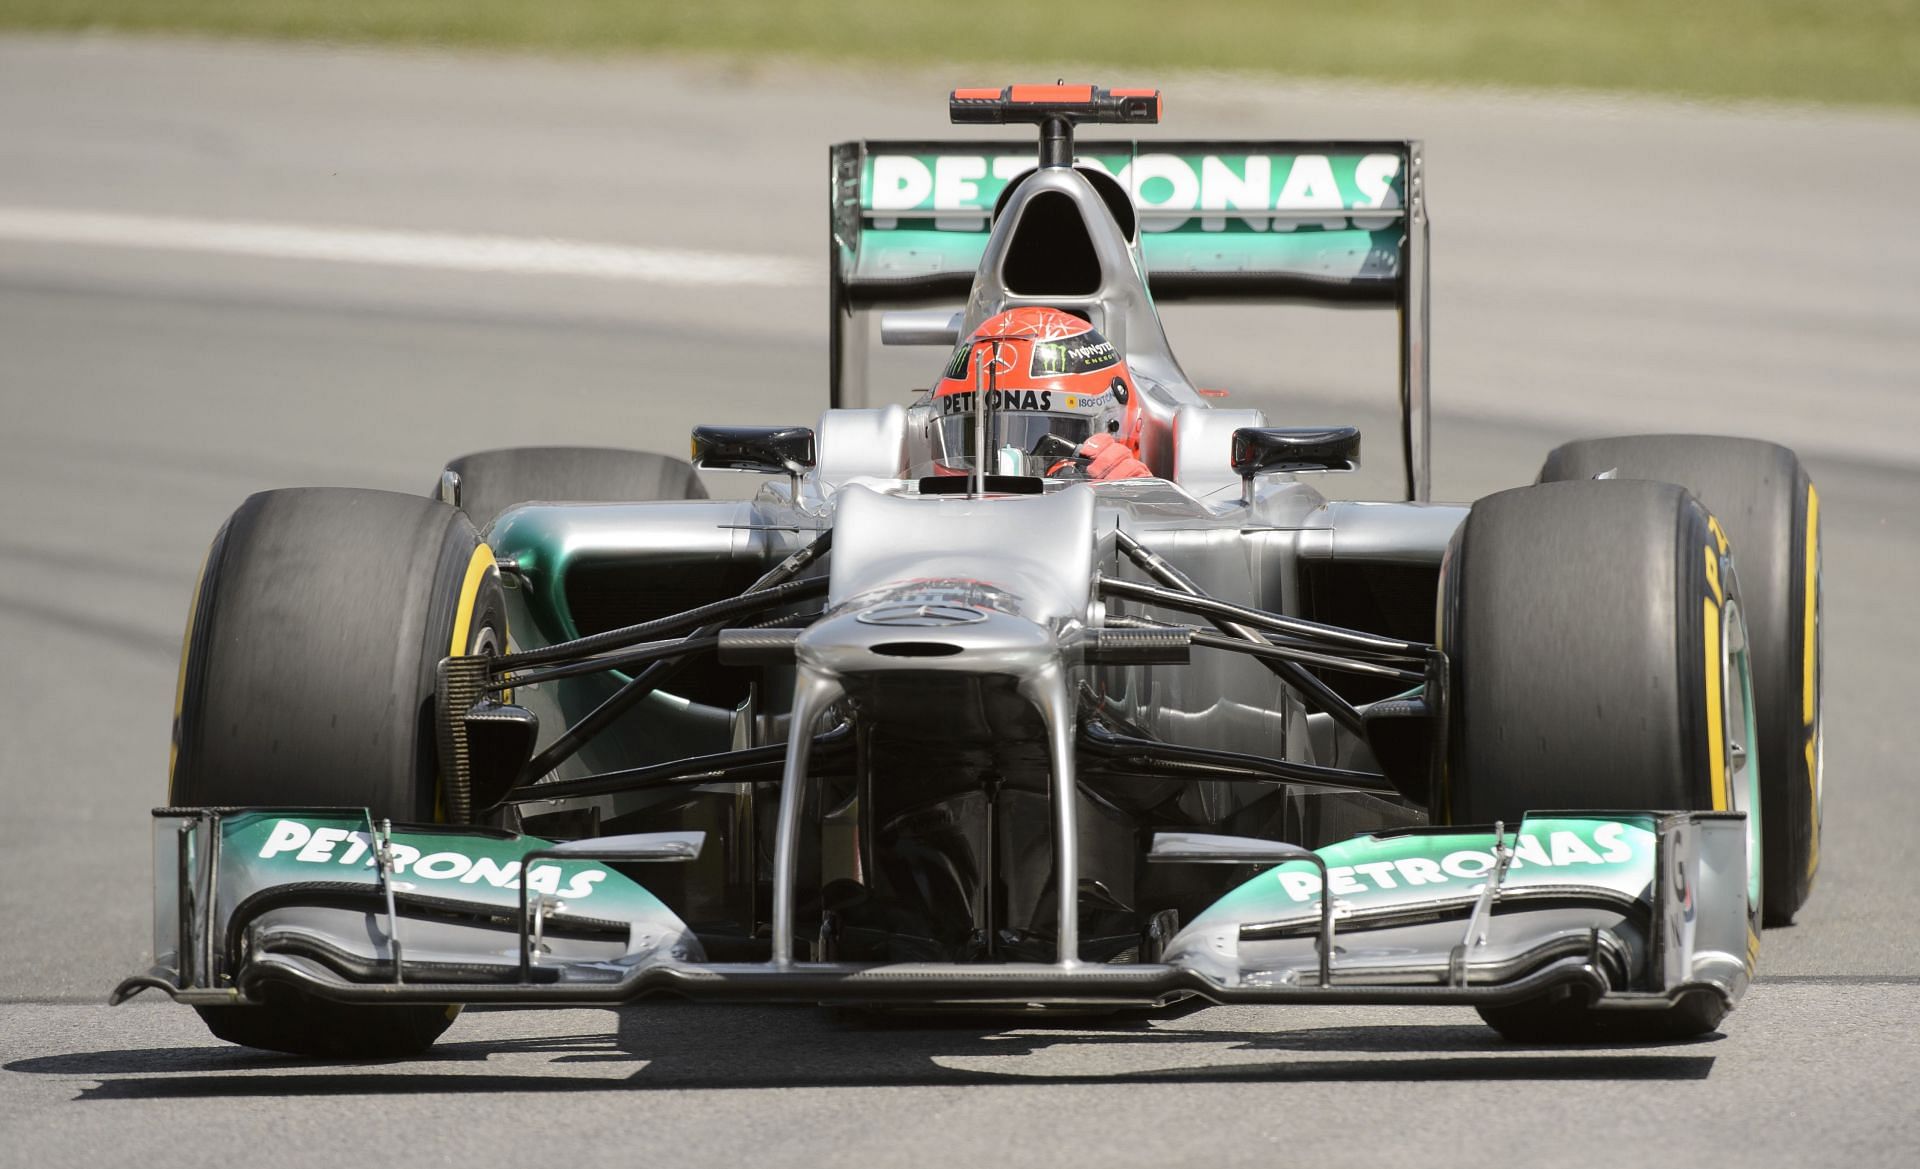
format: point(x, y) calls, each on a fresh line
point(1631, 910)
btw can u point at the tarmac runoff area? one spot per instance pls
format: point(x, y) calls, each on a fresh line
point(231, 267)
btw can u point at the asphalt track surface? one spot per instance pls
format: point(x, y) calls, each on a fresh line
point(1600, 267)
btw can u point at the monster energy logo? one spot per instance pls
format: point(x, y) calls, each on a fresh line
point(1058, 358)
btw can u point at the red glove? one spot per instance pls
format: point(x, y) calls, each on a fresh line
point(1112, 459)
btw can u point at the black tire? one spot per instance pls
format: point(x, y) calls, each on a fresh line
point(1770, 511)
point(492, 481)
point(307, 680)
point(1582, 621)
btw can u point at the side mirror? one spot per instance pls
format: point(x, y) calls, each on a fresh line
point(769, 450)
point(1262, 450)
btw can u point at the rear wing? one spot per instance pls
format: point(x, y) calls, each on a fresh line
point(1332, 222)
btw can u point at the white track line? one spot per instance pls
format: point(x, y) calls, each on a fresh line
point(517, 255)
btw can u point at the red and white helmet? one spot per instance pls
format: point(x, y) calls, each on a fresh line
point(1056, 383)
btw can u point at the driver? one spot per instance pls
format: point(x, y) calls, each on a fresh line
point(1064, 402)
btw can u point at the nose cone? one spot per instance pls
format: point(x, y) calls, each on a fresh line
point(1030, 554)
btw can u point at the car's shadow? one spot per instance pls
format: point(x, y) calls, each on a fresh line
point(674, 1045)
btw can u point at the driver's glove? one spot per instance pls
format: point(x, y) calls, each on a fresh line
point(1112, 459)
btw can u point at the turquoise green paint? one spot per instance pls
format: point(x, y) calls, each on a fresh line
point(924, 251)
point(259, 850)
point(907, 234)
point(1237, 183)
point(539, 546)
point(1373, 872)
point(545, 542)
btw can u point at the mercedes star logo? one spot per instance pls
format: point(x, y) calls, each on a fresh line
point(922, 616)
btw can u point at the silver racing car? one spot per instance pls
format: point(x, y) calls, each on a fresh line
point(1057, 687)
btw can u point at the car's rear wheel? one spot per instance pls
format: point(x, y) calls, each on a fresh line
point(307, 679)
point(1598, 661)
point(486, 483)
point(1771, 513)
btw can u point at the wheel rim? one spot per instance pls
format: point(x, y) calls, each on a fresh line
point(1739, 738)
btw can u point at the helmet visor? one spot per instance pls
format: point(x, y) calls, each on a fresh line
point(1029, 443)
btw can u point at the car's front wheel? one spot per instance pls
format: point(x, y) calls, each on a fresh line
point(1599, 660)
point(1763, 496)
point(307, 680)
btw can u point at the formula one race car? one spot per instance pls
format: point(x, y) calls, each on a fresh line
point(1057, 688)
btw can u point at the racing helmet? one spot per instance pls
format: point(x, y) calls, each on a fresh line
point(1055, 382)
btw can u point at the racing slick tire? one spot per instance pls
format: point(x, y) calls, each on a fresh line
point(1771, 512)
point(307, 679)
point(489, 482)
point(1597, 660)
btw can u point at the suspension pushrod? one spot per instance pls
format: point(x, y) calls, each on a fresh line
point(1314, 692)
point(639, 656)
point(660, 672)
point(1307, 657)
point(1308, 630)
point(1150, 754)
point(1268, 650)
point(755, 764)
point(752, 601)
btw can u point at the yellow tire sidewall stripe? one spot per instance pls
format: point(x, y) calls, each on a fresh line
point(1716, 731)
point(477, 568)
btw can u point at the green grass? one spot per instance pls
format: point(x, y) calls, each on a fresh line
point(1848, 51)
